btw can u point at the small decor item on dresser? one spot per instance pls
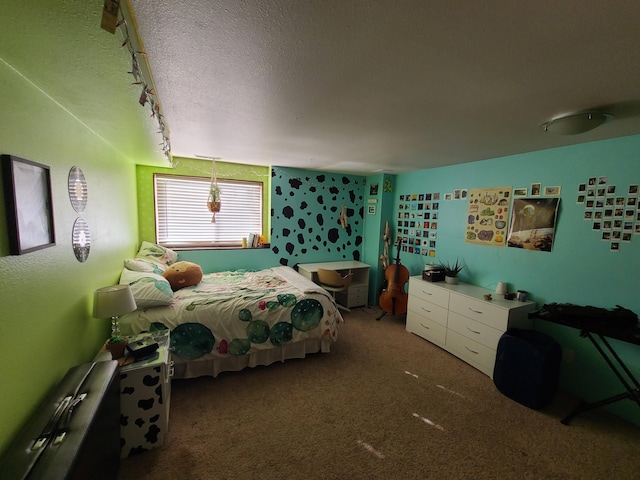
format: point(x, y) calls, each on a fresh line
point(116, 345)
point(451, 271)
point(433, 273)
point(142, 348)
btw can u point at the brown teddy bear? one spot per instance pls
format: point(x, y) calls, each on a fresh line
point(183, 274)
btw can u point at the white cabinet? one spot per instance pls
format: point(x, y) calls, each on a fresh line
point(459, 319)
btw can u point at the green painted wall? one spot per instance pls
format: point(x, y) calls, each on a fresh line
point(196, 168)
point(46, 296)
point(581, 269)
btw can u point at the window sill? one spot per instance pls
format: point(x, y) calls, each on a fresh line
point(238, 247)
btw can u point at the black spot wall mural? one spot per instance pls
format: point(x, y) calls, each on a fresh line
point(305, 216)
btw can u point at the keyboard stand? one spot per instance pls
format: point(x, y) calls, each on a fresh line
point(630, 383)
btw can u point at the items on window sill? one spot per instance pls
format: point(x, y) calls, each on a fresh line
point(255, 240)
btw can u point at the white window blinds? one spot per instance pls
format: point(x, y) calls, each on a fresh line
point(183, 219)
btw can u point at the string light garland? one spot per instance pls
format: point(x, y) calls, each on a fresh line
point(140, 69)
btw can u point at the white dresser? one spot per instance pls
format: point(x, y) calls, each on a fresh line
point(458, 319)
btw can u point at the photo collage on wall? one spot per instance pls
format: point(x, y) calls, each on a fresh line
point(417, 223)
point(614, 212)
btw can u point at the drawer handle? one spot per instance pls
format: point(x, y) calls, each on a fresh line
point(427, 293)
point(424, 326)
point(475, 311)
point(473, 331)
point(428, 311)
point(472, 351)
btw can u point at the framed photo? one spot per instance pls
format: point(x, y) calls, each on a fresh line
point(554, 191)
point(535, 189)
point(27, 188)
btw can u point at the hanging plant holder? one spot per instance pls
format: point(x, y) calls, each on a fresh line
point(213, 202)
point(214, 206)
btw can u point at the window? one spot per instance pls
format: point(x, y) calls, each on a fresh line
point(183, 219)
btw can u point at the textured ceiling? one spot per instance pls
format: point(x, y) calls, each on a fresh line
point(361, 86)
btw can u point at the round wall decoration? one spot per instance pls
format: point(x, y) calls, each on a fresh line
point(81, 239)
point(77, 189)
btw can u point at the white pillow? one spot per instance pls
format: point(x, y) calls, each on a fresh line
point(144, 265)
point(157, 254)
point(149, 289)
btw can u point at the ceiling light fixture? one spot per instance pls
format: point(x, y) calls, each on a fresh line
point(576, 123)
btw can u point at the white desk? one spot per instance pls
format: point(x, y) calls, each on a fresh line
point(358, 292)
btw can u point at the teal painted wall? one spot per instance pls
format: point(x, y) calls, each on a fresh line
point(581, 269)
point(306, 207)
point(46, 297)
point(230, 259)
point(374, 228)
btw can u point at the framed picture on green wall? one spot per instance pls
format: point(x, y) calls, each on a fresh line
point(27, 187)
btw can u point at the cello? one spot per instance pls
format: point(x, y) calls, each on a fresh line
point(393, 299)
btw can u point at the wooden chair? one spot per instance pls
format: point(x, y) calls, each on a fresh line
point(333, 282)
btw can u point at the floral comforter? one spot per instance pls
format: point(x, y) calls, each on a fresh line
point(235, 312)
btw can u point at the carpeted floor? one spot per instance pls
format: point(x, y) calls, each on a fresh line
point(384, 404)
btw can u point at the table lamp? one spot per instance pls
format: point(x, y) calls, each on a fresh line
point(111, 302)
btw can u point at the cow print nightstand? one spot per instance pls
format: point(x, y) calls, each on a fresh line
point(145, 393)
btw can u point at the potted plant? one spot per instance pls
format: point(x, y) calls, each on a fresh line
point(451, 271)
point(214, 198)
point(116, 345)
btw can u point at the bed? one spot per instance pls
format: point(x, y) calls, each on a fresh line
point(229, 320)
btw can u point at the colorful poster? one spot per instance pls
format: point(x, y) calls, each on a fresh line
point(533, 223)
point(488, 216)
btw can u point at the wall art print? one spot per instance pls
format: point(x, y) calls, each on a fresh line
point(77, 186)
point(27, 187)
point(81, 239)
point(488, 216)
point(533, 223)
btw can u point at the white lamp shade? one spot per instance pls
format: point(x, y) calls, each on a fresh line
point(113, 301)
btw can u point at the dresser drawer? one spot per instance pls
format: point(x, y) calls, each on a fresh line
point(475, 354)
point(479, 332)
point(480, 310)
point(428, 310)
point(429, 292)
point(427, 329)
